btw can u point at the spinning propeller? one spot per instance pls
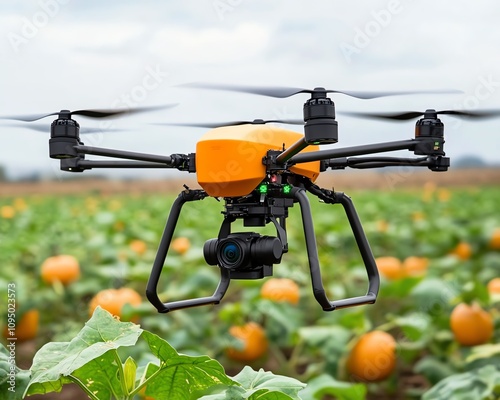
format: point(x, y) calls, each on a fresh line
point(429, 113)
point(103, 113)
point(320, 126)
point(43, 128)
point(65, 132)
point(283, 92)
point(235, 123)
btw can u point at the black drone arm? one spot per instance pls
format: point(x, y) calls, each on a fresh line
point(74, 160)
point(429, 146)
point(312, 250)
point(433, 163)
point(128, 155)
point(79, 165)
point(409, 144)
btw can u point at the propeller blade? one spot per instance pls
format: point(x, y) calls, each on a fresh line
point(368, 95)
point(403, 116)
point(28, 118)
point(236, 123)
point(407, 115)
point(276, 91)
point(45, 128)
point(116, 112)
point(282, 92)
point(91, 113)
point(478, 114)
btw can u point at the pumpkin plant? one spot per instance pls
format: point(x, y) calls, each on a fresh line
point(93, 361)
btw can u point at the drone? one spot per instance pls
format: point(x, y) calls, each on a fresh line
point(260, 171)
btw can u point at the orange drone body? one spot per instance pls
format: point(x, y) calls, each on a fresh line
point(229, 159)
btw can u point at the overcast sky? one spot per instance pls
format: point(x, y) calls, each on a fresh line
point(67, 54)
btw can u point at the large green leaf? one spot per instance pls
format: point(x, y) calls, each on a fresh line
point(13, 380)
point(266, 394)
point(255, 381)
point(179, 376)
point(480, 384)
point(324, 385)
point(89, 359)
point(260, 385)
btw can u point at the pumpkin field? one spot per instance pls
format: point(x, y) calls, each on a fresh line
point(75, 260)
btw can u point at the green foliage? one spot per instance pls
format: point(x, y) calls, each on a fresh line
point(480, 384)
point(92, 361)
point(256, 385)
point(305, 343)
point(324, 385)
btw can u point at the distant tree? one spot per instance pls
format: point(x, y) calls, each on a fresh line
point(3, 174)
point(470, 161)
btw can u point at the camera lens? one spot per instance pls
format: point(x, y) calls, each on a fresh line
point(210, 251)
point(231, 254)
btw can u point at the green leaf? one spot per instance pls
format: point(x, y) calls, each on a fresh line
point(58, 363)
point(159, 347)
point(433, 369)
point(480, 384)
point(483, 351)
point(414, 325)
point(433, 295)
point(13, 380)
point(100, 376)
point(253, 381)
point(320, 335)
point(260, 385)
point(283, 318)
point(266, 394)
point(178, 375)
point(319, 387)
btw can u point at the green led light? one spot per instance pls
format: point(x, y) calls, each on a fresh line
point(287, 189)
point(263, 188)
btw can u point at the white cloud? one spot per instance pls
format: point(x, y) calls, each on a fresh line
point(180, 44)
point(82, 35)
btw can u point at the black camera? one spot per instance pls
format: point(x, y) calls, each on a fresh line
point(247, 255)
